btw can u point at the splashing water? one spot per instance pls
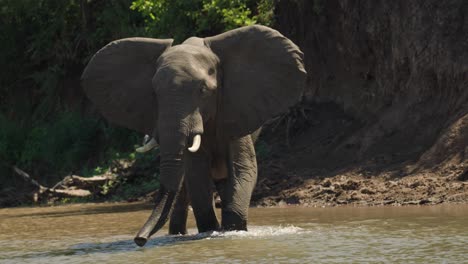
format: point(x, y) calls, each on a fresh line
point(260, 232)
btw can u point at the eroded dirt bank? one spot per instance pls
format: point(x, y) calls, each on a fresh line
point(385, 117)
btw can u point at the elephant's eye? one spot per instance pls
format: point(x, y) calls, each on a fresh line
point(203, 89)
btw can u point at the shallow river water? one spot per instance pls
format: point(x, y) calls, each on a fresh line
point(104, 234)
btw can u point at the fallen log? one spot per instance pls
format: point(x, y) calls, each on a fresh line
point(72, 193)
point(70, 186)
point(85, 183)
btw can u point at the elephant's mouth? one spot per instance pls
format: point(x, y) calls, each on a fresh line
point(151, 143)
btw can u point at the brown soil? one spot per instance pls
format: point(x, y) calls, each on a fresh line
point(356, 188)
point(320, 168)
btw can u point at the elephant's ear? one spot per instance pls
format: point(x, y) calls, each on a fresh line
point(118, 81)
point(263, 75)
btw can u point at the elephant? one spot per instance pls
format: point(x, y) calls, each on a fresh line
point(203, 102)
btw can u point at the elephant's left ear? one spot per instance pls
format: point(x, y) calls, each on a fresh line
point(263, 75)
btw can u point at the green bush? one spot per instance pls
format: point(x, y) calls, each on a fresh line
point(135, 189)
point(11, 140)
point(44, 46)
point(180, 19)
point(67, 144)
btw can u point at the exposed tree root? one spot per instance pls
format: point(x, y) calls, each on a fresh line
point(294, 120)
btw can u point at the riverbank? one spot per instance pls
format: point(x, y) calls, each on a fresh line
point(280, 183)
point(315, 155)
point(323, 157)
point(355, 188)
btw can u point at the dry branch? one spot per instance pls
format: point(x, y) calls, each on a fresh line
point(86, 183)
point(28, 178)
point(70, 186)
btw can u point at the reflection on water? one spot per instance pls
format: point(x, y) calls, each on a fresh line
point(91, 233)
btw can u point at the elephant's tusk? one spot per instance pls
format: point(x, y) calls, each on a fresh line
point(196, 144)
point(146, 139)
point(148, 146)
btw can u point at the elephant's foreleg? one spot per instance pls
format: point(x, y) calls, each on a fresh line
point(238, 188)
point(178, 223)
point(200, 189)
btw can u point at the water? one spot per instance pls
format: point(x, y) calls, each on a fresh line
point(104, 234)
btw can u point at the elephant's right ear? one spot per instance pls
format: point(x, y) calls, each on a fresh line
point(118, 81)
point(263, 75)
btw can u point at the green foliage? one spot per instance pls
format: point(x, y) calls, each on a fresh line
point(64, 145)
point(11, 140)
point(45, 41)
point(75, 200)
point(44, 46)
point(136, 188)
point(180, 19)
point(226, 14)
point(60, 144)
point(265, 9)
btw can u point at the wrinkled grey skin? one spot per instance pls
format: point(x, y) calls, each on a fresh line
point(222, 88)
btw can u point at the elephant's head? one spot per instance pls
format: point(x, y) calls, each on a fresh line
point(238, 80)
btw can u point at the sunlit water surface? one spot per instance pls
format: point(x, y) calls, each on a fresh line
point(104, 234)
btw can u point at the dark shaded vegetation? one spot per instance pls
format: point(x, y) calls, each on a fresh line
point(48, 127)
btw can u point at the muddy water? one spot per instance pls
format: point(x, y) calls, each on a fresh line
point(104, 233)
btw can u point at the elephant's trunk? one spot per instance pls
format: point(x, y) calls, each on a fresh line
point(172, 173)
point(162, 209)
point(172, 149)
point(173, 136)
